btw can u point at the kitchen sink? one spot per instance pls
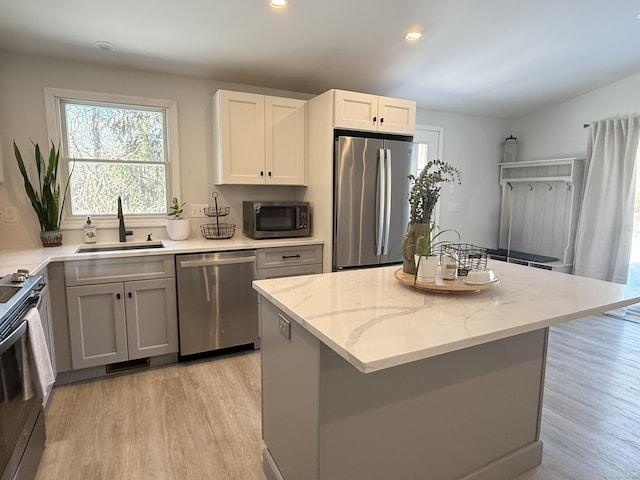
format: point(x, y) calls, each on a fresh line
point(117, 247)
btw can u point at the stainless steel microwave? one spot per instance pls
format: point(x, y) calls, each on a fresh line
point(276, 219)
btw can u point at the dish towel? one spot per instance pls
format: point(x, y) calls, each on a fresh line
point(40, 354)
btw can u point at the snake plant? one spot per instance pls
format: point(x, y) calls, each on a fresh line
point(45, 197)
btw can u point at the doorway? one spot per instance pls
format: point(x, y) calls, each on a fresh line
point(431, 140)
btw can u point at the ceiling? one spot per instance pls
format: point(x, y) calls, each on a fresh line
point(498, 58)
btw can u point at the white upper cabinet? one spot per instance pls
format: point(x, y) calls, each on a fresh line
point(258, 139)
point(371, 113)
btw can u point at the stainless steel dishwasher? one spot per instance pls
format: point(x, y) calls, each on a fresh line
point(217, 307)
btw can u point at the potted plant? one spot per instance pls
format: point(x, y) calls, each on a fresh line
point(426, 256)
point(178, 228)
point(423, 196)
point(45, 197)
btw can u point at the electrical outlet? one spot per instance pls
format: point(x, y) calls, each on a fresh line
point(197, 209)
point(10, 215)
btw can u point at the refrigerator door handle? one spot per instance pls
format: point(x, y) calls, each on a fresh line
point(380, 201)
point(387, 202)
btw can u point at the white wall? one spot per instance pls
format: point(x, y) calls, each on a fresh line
point(22, 117)
point(558, 132)
point(474, 146)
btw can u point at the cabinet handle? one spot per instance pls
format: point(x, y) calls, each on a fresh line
point(261, 173)
point(118, 296)
point(269, 172)
point(381, 120)
point(374, 120)
point(284, 257)
point(130, 295)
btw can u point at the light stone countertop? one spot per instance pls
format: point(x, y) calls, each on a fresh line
point(373, 321)
point(36, 259)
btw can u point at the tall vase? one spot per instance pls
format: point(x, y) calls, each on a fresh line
point(414, 230)
point(51, 238)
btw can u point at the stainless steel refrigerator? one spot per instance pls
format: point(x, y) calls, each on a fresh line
point(371, 204)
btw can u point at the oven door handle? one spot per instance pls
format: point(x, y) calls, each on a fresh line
point(13, 338)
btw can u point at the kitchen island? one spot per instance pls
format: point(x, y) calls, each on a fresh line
point(364, 377)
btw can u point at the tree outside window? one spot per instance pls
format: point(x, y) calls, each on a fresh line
point(115, 145)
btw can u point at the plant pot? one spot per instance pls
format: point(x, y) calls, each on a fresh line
point(414, 230)
point(426, 268)
point(178, 229)
point(51, 238)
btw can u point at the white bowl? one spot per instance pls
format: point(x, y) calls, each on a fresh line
point(481, 275)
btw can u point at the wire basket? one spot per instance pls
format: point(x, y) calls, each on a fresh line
point(216, 211)
point(470, 257)
point(217, 231)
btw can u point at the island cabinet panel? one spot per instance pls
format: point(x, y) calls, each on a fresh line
point(290, 395)
point(472, 413)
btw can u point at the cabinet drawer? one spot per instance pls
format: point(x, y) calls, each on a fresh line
point(266, 273)
point(89, 272)
point(289, 256)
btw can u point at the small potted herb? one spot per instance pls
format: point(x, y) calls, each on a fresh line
point(178, 227)
point(426, 255)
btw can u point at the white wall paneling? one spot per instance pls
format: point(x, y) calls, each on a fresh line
point(540, 207)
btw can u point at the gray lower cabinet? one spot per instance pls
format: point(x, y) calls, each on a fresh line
point(472, 413)
point(114, 321)
point(44, 309)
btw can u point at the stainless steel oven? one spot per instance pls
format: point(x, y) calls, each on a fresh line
point(22, 432)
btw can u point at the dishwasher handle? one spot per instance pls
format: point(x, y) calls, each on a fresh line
point(216, 262)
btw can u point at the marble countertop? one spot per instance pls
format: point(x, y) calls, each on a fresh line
point(375, 322)
point(35, 259)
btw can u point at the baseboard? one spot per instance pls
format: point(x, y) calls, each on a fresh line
point(510, 466)
point(269, 467)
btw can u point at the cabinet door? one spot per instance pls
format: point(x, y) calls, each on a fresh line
point(285, 141)
point(356, 111)
point(44, 309)
point(239, 138)
point(396, 115)
point(152, 318)
point(97, 327)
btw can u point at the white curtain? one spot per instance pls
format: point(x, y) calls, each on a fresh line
point(605, 227)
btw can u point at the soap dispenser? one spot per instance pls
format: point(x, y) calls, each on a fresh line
point(89, 232)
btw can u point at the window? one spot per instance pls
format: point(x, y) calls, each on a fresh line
point(115, 145)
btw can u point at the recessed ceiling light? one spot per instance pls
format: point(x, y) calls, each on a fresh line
point(413, 34)
point(278, 3)
point(104, 46)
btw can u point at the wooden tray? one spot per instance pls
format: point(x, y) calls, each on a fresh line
point(456, 286)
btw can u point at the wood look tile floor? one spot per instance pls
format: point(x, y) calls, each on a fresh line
point(201, 420)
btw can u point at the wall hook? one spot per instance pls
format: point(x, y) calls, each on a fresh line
point(510, 186)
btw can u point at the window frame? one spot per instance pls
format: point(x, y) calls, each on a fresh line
point(53, 105)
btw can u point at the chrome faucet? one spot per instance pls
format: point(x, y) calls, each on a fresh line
point(122, 231)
